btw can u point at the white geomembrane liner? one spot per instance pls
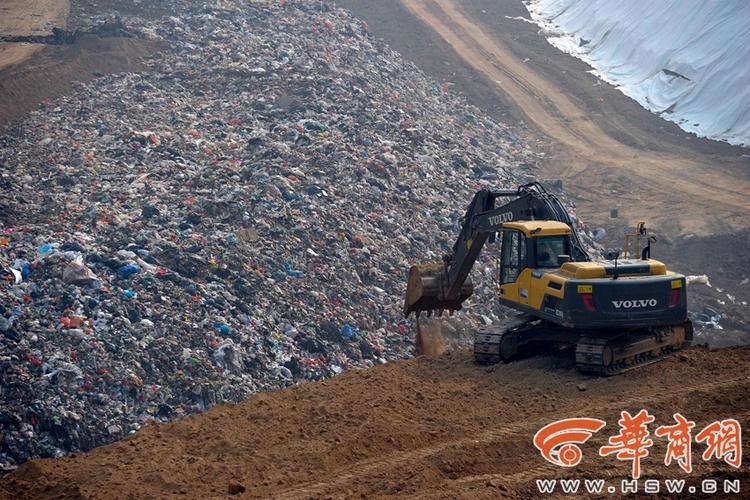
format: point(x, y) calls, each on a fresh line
point(687, 60)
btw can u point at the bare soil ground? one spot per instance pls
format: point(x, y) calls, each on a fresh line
point(33, 73)
point(425, 428)
point(28, 17)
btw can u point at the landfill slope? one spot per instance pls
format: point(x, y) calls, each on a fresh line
point(428, 428)
point(238, 217)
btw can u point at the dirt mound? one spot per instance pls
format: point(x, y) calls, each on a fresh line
point(434, 427)
point(52, 71)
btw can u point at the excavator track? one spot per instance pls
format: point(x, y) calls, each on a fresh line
point(505, 341)
point(495, 343)
point(599, 353)
point(623, 351)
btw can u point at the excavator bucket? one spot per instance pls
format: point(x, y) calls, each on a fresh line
point(424, 288)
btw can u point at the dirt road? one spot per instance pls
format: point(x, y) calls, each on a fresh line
point(426, 428)
point(678, 193)
point(28, 17)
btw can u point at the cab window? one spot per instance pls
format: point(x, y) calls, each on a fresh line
point(513, 256)
point(548, 248)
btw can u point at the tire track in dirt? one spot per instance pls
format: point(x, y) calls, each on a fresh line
point(395, 461)
point(700, 197)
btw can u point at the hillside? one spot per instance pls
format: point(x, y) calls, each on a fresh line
point(425, 428)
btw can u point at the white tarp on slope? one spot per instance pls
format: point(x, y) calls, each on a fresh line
point(686, 59)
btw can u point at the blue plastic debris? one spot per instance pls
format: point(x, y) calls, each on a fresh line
point(128, 270)
point(347, 331)
point(222, 328)
point(26, 270)
point(290, 271)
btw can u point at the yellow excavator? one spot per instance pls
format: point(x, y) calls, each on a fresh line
point(619, 313)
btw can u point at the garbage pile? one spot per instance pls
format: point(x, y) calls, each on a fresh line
point(239, 218)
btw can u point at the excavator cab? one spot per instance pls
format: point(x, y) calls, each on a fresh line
point(528, 251)
point(533, 244)
point(440, 286)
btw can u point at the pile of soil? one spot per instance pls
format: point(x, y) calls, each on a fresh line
point(431, 427)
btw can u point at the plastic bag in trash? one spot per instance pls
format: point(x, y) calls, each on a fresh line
point(76, 273)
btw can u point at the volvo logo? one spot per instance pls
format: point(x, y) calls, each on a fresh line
point(634, 304)
point(496, 220)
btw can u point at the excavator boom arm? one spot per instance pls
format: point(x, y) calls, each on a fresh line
point(430, 286)
point(483, 220)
